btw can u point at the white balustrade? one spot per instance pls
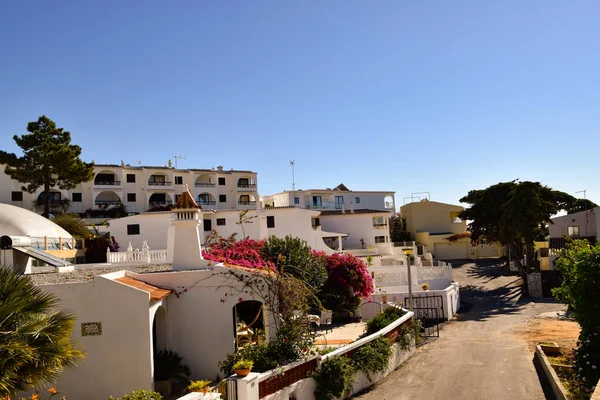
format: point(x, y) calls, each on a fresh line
point(144, 256)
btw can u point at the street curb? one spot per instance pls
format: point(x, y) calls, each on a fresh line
point(557, 387)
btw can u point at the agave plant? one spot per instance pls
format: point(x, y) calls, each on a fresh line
point(35, 342)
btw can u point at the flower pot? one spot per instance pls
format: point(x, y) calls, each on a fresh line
point(242, 372)
point(384, 298)
point(203, 390)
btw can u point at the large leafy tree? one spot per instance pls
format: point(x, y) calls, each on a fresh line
point(49, 160)
point(35, 342)
point(514, 213)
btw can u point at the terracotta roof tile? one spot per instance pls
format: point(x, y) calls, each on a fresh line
point(186, 201)
point(155, 292)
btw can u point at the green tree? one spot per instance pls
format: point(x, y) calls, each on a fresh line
point(35, 342)
point(73, 224)
point(49, 160)
point(294, 256)
point(579, 264)
point(514, 214)
point(398, 232)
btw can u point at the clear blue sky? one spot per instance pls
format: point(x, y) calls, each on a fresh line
point(403, 95)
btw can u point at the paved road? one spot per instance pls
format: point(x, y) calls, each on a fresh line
point(478, 356)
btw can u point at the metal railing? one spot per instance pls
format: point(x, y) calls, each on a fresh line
point(158, 183)
point(109, 202)
point(203, 184)
point(160, 203)
point(246, 185)
point(207, 202)
point(107, 183)
point(246, 203)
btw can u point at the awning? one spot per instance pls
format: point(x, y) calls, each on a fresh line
point(43, 256)
point(332, 234)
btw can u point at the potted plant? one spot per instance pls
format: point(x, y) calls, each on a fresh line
point(242, 368)
point(168, 366)
point(425, 286)
point(199, 386)
point(384, 296)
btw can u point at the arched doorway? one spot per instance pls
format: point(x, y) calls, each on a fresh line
point(159, 330)
point(248, 323)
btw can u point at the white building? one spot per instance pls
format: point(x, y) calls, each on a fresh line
point(141, 188)
point(337, 198)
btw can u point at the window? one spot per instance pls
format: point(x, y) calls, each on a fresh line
point(207, 225)
point(316, 222)
point(130, 178)
point(339, 202)
point(380, 239)
point(573, 230)
point(179, 180)
point(76, 197)
point(244, 200)
point(131, 197)
point(221, 181)
point(296, 200)
point(133, 229)
point(317, 202)
point(379, 221)
point(222, 198)
point(357, 200)
point(17, 196)
point(243, 183)
point(221, 221)
point(270, 221)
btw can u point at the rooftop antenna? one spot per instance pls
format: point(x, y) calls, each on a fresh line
point(292, 164)
point(178, 157)
point(139, 162)
point(585, 204)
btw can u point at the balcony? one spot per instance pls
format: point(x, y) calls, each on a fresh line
point(159, 183)
point(106, 202)
point(202, 184)
point(107, 183)
point(160, 203)
point(246, 186)
point(246, 203)
point(207, 203)
point(324, 205)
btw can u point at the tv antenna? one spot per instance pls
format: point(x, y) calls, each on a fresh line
point(292, 164)
point(585, 204)
point(178, 157)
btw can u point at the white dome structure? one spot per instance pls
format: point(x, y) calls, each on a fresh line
point(17, 221)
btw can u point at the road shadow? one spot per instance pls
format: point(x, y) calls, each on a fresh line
point(482, 303)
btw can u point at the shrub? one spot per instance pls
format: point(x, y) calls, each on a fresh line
point(198, 385)
point(139, 395)
point(383, 319)
point(373, 357)
point(72, 224)
point(334, 378)
point(169, 365)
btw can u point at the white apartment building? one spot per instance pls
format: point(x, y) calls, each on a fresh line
point(337, 198)
point(141, 188)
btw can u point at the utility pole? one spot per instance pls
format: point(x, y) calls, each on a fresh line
point(180, 157)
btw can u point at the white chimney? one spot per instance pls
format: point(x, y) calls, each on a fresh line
point(185, 232)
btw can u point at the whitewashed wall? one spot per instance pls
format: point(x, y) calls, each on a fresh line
point(119, 360)
point(357, 226)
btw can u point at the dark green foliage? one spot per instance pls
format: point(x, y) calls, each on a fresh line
point(288, 345)
point(373, 357)
point(49, 160)
point(579, 264)
point(405, 336)
point(35, 342)
point(72, 224)
point(383, 319)
point(514, 213)
point(334, 378)
point(294, 256)
point(169, 365)
point(398, 232)
point(106, 211)
point(139, 395)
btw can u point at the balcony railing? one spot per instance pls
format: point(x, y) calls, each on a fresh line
point(246, 203)
point(107, 183)
point(202, 184)
point(160, 203)
point(158, 183)
point(324, 205)
point(246, 185)
point(207, 203)
point(109, 202)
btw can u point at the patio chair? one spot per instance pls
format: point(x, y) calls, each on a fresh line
point(325, 319)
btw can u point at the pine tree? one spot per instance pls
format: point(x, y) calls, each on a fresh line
point(49, 160)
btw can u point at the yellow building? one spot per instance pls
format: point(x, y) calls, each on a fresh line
point(431, 223)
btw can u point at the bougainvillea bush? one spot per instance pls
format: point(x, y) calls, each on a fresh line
point(245, 253)
point(347, 280)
